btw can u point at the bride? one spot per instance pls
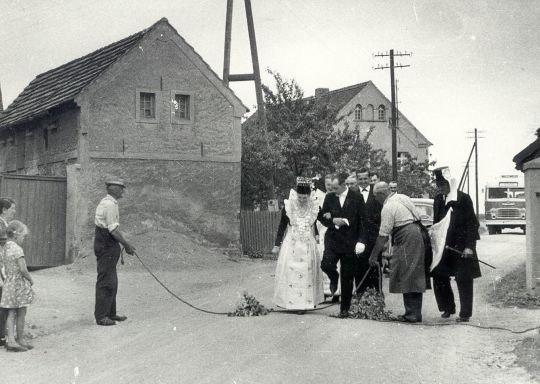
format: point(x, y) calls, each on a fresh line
point(298, 279)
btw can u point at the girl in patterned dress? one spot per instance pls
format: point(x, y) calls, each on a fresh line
point(17, 292)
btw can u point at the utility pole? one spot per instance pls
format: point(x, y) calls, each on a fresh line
point(393, 120)
point(256, 75)
point(475, 149)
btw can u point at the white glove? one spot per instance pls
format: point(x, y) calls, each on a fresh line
point(360, 248)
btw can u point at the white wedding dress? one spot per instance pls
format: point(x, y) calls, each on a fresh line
point(298, 277)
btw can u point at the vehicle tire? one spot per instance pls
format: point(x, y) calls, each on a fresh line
point(524, 229)
point(491, 230)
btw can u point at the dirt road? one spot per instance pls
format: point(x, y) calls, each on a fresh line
point(164, 341)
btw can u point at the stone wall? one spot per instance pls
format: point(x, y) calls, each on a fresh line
point(186, 196)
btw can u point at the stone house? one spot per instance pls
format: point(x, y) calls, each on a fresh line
point(365, 107)
point(528, 162)
point(147, 109)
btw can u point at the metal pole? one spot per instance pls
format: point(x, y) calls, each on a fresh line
point(255, 60)
point(394, 133)
point(476, 168)
point(227, 53)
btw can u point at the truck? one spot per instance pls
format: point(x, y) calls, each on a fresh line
point(505, 204)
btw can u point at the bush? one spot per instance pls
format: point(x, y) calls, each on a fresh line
point(249, 306)
point(370, 306)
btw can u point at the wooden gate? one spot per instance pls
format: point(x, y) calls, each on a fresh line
point(258, 230)
point(41, 205)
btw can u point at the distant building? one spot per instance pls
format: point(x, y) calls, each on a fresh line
point(365, 107)
point(147, 109)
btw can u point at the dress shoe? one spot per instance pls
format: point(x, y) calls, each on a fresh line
point(118, 318)
point(15, 348)
point(105, 321)
point(344, 314)
point(462, 319)
point(447, 314)
point(25, 345)
point(407, 319)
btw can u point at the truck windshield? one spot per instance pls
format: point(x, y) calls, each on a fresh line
point(503, 193)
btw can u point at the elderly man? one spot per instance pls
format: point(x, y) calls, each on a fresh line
point(408, 271)
point(108, 238)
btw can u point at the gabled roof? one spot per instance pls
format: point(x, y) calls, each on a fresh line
point(531, 152)
point(338, 98)
point(60, 85)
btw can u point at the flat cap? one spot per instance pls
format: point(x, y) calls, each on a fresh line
point(119, 182)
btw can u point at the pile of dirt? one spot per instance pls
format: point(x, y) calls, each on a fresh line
point(511, 291)
point(164, 249)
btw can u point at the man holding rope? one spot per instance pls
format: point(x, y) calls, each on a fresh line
point(108, 238)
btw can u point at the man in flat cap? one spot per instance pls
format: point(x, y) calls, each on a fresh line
point(108, 238)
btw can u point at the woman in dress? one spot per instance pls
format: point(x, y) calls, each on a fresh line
point(7, 213)
point(298, 278)
point(17, 292)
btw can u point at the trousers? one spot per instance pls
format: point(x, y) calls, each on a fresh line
point(348, 269)
point(107, 252)
point(445, 296)
point(413, 305)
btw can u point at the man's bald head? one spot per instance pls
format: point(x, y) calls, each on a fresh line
point(381, 191)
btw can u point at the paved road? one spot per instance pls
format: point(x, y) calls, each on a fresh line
point(164, 341)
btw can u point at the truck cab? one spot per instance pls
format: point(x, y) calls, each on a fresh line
point(505, 204)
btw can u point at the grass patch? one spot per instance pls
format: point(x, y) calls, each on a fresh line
point(528, 355)
point(511, 291)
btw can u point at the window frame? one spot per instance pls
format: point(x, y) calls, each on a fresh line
point(157, 106)
point(358, 108)
point(382, 109)
point(182, 121)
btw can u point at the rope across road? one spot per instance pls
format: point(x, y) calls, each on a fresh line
point(331, 305)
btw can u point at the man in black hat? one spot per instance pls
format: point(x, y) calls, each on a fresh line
point(462, 235)
point(108, 238)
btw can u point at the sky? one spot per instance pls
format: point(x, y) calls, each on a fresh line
point(473, 63)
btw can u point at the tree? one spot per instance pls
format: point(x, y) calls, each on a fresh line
point(415, 179)
point(301, 140)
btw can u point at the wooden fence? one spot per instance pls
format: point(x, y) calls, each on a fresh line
point(40, 202)
point(258, 230)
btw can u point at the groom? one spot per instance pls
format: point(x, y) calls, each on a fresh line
point(343, 213)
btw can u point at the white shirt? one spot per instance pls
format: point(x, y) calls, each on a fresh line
point(364, 193)
point(398, 210)
point(107, 215)
point(343, 196)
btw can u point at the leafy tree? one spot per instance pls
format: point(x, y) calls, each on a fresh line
point(301, 139)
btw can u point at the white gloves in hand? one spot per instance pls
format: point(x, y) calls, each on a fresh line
point(360, 248)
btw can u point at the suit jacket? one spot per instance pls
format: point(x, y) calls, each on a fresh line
point(344, 239)
point(462, 233)
point(372, 222)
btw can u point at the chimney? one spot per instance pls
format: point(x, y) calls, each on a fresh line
point(321, 91)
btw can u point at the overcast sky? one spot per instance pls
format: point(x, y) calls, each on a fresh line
point(474, 63)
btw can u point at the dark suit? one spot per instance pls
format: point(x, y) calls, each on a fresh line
point(371, 226)
point(339, 244)
point(462, 233)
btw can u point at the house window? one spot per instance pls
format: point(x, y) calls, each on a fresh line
point(369, 113)
point(358, 112)
point(148, 105)
point(382, 113)
point(181, 107)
